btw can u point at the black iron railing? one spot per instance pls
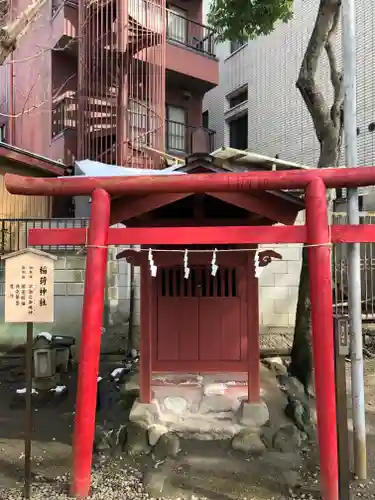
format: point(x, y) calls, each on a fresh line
point(190, 33)
point(14, 232)
point(63, 115)
point(179, 137)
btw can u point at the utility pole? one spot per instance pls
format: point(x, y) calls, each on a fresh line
point(354, 256)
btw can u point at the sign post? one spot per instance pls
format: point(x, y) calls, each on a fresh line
point(341, 352)
point(29, 298)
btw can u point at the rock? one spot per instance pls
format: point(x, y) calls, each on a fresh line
point(168, 445)
point(281, 461)
point(292, 387)
point(216, 404)
point(266, 436)
point(214, 389)
point(248, 441)
point(176, 404)
point(155, 432)
point(102, 439)
point(253, 414)
point(288, 439)
point(299, 412)
point(276, 365)
point(137, 440)
point(144, 414)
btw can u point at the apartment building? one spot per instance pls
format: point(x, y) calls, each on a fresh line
point(257, 106)
point(109, 80)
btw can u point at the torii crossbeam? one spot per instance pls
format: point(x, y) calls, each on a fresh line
point(317, 234)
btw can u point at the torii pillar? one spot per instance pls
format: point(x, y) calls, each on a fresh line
point(316, 234)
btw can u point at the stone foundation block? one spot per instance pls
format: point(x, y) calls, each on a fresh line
point(253, 414)
point(144, 414)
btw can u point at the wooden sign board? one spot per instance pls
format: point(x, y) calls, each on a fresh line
point(29, 286)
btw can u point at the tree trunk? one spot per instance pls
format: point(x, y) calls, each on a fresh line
point(301, 365)
point(327, 121)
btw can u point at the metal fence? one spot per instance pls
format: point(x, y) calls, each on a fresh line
point(340, 271)
point(13, 237)
point(13, 233)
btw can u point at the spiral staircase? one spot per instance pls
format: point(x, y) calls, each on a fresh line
point(121, 55)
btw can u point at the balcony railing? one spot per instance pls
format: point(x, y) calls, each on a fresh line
point(179, 137)
point(190, 33)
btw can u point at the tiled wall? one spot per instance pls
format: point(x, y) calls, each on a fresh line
point(279, 122)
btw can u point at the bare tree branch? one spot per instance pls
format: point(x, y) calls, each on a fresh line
point(324, 29)
point(336, 74)
point(12, 32)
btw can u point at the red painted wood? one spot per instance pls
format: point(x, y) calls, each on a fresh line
point(322, 328)
point(252, 325)
point(199, 319)
point(175, 236)
point(220, 329)
point(197, 183)
point(177, 329)
point(124, 209)
point(146, 336)
point(88, 367)
point(264, 204)
point(241, 235)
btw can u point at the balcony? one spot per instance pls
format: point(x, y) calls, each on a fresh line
point(178, 136)
point(191, 34)
point(191, 53)
point(64, 24)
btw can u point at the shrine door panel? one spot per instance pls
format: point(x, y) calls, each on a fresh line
point(177, 323)
point(199, 319)
point(220, 316)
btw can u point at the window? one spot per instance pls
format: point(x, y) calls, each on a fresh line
point(235, 46)
point(238, 132)
point(176, 128)
point(205, 119)
point(177, 24)
point(238, 98)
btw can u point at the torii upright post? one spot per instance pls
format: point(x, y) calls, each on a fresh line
point(319, 256)
point(92, 317)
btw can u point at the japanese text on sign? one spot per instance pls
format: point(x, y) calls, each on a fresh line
point(29, 287)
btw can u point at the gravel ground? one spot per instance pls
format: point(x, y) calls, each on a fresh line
point(124, 479)
point(118, 481)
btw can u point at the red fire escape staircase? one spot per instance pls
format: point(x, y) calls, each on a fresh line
point(118, 119)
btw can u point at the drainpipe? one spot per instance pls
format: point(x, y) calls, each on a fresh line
point(11, 90)
point(131, 307)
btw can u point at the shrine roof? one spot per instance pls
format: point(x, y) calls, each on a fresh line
point(89, 168)
point(35, 163)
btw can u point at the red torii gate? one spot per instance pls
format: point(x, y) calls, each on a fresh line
point(317, 234)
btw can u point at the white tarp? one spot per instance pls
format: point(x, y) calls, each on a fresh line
point(89, 168)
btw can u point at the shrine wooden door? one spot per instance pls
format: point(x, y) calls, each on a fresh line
point(200, 320)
